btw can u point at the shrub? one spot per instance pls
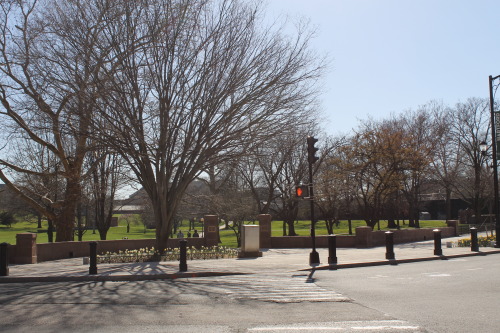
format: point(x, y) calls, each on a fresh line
point(7, 218)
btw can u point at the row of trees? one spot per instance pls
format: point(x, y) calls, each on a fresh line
point(98, 93)
point(381, 170)
point(159, 91)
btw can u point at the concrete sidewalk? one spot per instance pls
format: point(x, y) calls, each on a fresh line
point(272, 261)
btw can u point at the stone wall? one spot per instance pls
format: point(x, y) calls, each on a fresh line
point(27, 251)
point(365, 236)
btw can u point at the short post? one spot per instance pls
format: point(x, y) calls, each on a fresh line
point(183, 256)
point(93, 258)
point(389, 245)
point(332, 249)
point(4, 259)
point(437, 242)
point(474, 245)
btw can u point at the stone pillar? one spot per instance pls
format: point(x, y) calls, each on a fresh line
point(26, 248)
point(211, 230)
point(364, 237)
point(453, 224)
point(265, 230)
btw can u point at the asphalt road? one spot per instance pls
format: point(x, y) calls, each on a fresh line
point(253, 303)
point(460, 295)
point(438, 296)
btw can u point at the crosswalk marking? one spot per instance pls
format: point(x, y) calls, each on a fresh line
point(274, 288)
point(344, 326)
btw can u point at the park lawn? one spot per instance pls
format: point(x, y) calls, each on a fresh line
point(302, 228)
point(228, 238)
point(8, 235)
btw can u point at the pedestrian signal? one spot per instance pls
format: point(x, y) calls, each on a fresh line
point(302, 191)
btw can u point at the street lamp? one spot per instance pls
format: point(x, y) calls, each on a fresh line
point(495, 122)
point(483, 147)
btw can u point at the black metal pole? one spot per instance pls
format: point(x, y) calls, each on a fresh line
point(474, 245)
point(314, 255)
point(438, 251)
point(4, 259)
point(93, 258)
point(332, 249)
point(495, 164)
point(389, 245)
point(183, 267)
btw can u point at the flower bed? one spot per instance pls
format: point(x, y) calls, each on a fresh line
point(150, 255)
point(482, 241)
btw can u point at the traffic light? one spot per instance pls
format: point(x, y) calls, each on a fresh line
point(311, 150)
point(302, 191)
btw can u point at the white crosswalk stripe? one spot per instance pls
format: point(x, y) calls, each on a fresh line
point(275, 288)
point(344, 326)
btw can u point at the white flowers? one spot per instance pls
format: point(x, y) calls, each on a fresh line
point(150, 254)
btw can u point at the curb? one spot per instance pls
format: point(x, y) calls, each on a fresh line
point(103, 278)
point(180, 275)
point(399, 261)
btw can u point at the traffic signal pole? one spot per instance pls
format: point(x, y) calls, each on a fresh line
point(312, 158)
point(314, 255)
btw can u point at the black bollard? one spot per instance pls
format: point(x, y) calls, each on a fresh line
point(183, 267)
point(332, 250)
point(4, 259)
point(474, 245)
point(93, 258)
point(437, 242)
point(389, 245)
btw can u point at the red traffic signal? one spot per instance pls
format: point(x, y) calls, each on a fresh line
point(302, 191)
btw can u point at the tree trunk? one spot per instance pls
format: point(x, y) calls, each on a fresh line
point(329, 226)
point(163, 222)
point(65, 221)
point(79, 222)
point(39, 221)
point(448, 204)
point(371, 223)
point(291, 228)
point(391, 224)
point(50, 230)
point(103, 234)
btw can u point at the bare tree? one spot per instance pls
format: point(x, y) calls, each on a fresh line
point(471, 126)
point(447, 161)
point(420, 143)
point(105, 179)
point(332, 189)
point(265, 164)
point(201, 80)
point(52, 55)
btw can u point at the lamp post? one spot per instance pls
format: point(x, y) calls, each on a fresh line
point(494, 141)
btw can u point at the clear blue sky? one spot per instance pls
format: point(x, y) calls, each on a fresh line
point(388, 56)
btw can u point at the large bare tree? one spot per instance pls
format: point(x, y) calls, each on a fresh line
point(201, 81)
point(52, 55)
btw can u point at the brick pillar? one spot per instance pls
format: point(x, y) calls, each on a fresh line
point(211, 230)
point(364, 237)
point(265, 230)
point(26, 248)
point(453, 224)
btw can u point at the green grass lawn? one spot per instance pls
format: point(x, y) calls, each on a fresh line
point(227, 237)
